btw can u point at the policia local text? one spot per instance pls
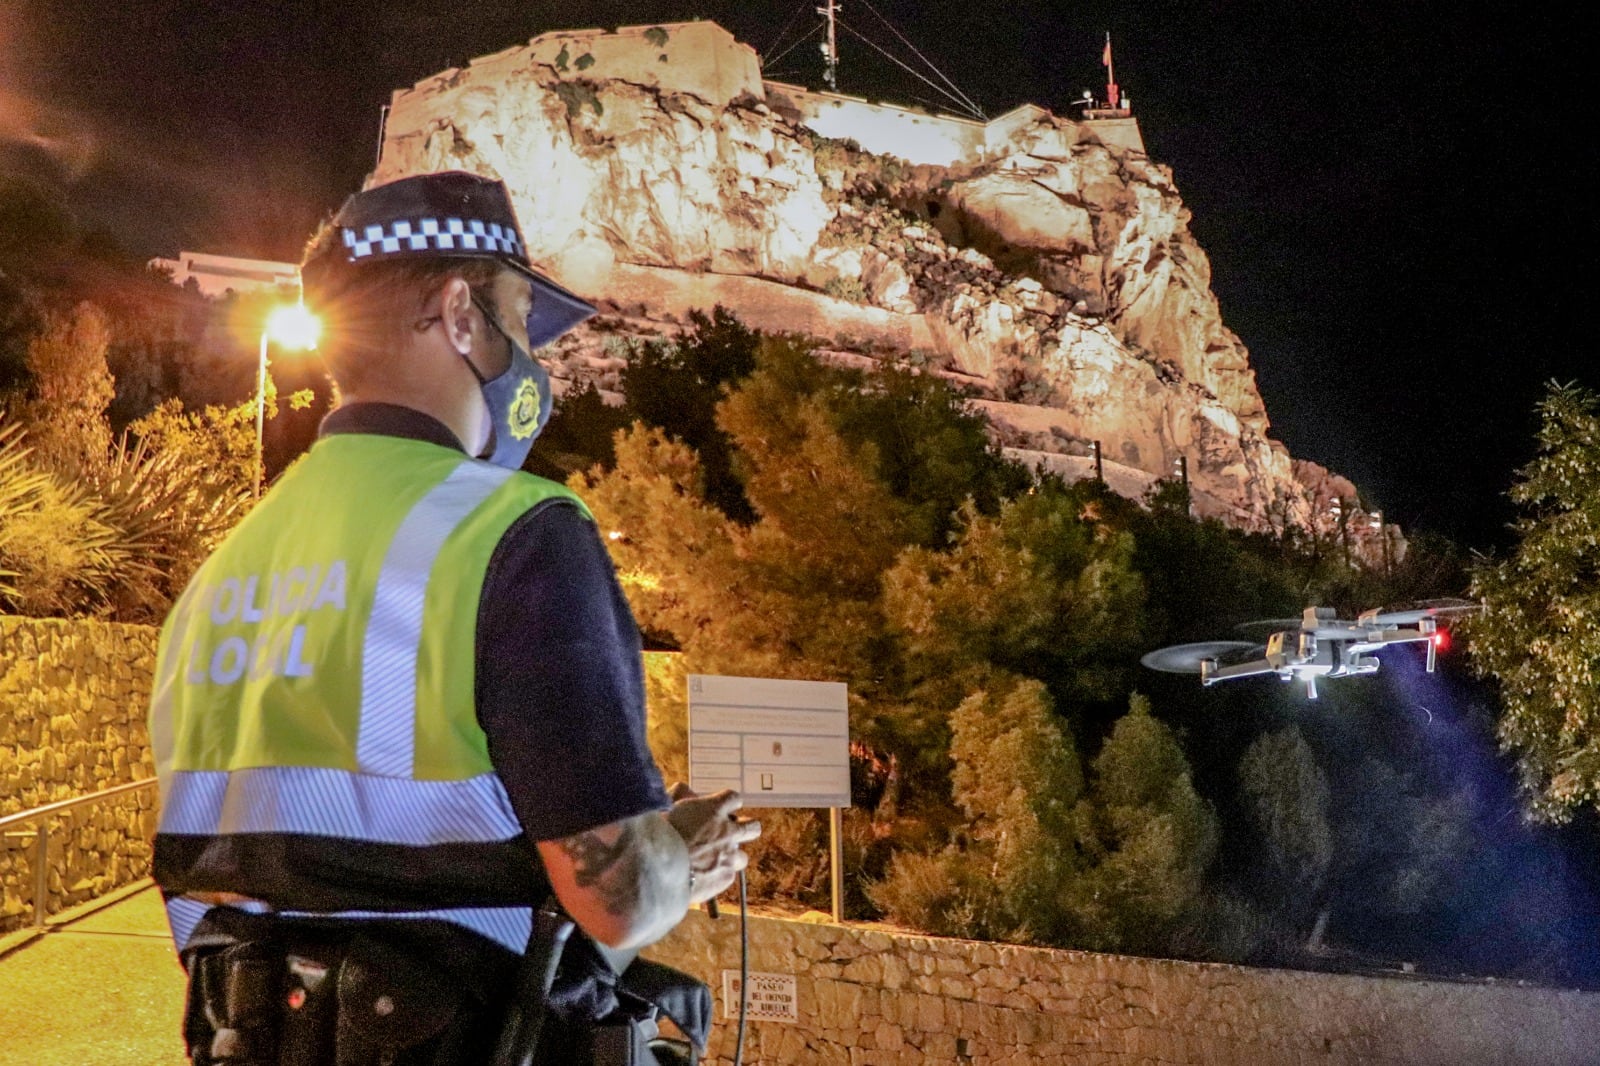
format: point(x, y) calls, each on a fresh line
point(275, 651)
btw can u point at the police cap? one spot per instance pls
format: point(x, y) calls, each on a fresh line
point(454, 215)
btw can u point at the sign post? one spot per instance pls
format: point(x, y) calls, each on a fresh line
point(780, 743)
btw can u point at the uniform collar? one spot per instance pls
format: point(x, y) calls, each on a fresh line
point(389, 420)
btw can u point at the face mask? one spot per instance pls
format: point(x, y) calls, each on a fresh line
point(519, 400)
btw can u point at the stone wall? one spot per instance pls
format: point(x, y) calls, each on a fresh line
point(919, 136)
point(73, 699)
point(867, 996)
point(888, 129)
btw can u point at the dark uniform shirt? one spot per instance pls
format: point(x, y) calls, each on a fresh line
point(560, 684)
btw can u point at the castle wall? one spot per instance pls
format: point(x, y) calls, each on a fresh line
point(922, 138)
point(915, 136)
point(697, 58)
point(1000, 131)
point(1118, 133)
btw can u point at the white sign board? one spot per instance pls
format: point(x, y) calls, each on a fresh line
point(772, 997)
point(780, 743)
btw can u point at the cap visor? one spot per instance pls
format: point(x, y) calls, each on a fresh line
point(555, 310)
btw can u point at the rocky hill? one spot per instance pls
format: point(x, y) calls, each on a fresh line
point(1044, 262)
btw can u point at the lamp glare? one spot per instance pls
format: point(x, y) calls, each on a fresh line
point(294, 327)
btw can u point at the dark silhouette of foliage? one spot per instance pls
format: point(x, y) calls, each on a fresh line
point(676, 386)
point(1538, 636)
point(580, 435)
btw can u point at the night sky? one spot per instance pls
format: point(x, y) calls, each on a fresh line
point(1395, 196)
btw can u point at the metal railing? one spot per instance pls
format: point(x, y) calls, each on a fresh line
point(41, 837)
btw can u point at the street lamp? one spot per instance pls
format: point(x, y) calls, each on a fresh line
point(294, 328)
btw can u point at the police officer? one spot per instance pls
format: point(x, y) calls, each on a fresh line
point(403, 702)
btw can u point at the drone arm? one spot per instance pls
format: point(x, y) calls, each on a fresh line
point(1425, 630)
point(1213, 674)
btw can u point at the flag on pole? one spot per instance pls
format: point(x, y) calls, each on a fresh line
point(1111, 77)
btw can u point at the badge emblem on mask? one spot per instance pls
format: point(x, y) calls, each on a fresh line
point(523, 420)
point(519, 400)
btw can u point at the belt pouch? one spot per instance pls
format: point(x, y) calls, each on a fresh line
point(389, 1000)
point(623, 1042)
point(310, 1006)
point(241, 986)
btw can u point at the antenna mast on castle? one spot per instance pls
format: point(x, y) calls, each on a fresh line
point(830, 50)
point(832, 23)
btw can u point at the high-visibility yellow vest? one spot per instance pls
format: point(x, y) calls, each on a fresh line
point(313, 717)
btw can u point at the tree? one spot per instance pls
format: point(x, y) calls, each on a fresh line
point(933, 450)
point(1041, 589)
point(121, 541)
point(677, 385)
point(1018, 780)
point(793, 587)
point(1152, 839)
point(1199, 574)
point(52, 544)
point(581, 434)
point(70, 389)
point(19, 320)
point(1042, 858)
point(1286, 797)
point(1539, 635)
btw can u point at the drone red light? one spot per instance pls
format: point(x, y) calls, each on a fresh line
point(1441, 640)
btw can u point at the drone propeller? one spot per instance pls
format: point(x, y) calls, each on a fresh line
point(1449, 607)
point(1325, 627)
point(1186, 658)
point(1269, 624)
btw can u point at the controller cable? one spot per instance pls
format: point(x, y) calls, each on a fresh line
point(744, 970)
point(744, 964)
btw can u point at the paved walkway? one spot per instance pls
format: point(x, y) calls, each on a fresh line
point(101, 990)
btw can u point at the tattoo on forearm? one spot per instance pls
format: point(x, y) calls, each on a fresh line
point(611, 868)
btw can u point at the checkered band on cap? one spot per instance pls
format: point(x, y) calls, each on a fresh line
point(455, 236)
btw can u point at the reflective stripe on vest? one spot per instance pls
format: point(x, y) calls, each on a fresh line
point(213, 728)
point(384, 744)
point(336, 803)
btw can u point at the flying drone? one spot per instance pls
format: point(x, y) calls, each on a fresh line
point(1324, 645)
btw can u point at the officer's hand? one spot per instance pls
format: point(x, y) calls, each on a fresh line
point(715, 835)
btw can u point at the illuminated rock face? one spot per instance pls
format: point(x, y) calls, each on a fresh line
point(651, 146)
point(655, 172)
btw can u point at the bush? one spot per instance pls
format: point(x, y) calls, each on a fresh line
point(946, 894)
point(790, 860)
point(843, 288)
point(120, 539)
point(57, 555)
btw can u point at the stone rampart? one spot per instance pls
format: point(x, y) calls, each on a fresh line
point(73, 699)
point(869, 997)
point(926, 137)
point(888, 129)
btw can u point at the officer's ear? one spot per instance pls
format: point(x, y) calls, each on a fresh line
point(455, 313)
